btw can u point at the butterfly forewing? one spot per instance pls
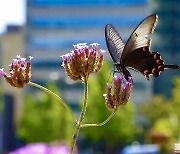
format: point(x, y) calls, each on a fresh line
point(139, 38)
point(114, 42)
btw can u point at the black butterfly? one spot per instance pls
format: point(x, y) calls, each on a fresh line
point(136, 54)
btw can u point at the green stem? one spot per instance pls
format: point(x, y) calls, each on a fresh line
point(78, 125)
point(102, 123)
point(55, 95)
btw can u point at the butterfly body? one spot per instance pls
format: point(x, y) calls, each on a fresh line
point(136, 54)
point(122, 68)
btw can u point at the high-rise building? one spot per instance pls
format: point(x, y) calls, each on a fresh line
point(11, 45)
point(167, 42)
point(53, 26)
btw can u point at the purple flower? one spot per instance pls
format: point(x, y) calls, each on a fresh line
point(117, 93)
point(83, 61)
point(2, 72)
point(35, 148)
point(118, 78)
point(41, 148)
point(102, 52)
point(58, 150)
point(94, 46)
point(19, 72)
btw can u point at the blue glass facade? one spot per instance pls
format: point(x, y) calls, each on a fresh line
point(84, 21)
point(87, 2)
point(168, 30)
point(58, 42)
point(53, 26)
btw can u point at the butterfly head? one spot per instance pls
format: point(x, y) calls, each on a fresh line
point(121, 68)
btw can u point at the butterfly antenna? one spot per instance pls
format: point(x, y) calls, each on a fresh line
point(172, 66)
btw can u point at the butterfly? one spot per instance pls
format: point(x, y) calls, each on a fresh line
point(135, 53)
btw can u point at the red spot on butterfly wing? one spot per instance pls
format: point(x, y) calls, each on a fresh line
point(155, 72)
point(146, 72)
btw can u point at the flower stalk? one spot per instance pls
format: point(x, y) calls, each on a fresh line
point(78, 65)
point(102, 123)
point(55, 95)
point(78, 125)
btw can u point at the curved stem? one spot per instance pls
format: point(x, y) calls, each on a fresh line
point(102, 123)
point(55, 95)
point(78, 125)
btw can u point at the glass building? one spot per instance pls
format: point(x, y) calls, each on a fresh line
point(53, 26)
point(167, 42)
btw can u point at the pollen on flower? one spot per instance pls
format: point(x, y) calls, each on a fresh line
point(82, 61)
point(117, 93)
point(19, 72)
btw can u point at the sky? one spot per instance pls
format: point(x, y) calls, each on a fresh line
point(11, 12)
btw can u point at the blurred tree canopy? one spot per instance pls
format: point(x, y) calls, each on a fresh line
point(161, 108)
point(44, 119)
point(164, 118)
point(120, 129)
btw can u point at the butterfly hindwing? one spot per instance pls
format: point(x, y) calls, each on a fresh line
point(145, 62)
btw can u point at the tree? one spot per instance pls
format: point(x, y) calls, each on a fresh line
point(44, 119)
point(164, 118)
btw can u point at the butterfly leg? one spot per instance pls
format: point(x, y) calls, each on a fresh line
point(115, 71)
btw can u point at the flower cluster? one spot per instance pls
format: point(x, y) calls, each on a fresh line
point(82, 61)
point(41, 148)
point(19, 72)
point(120, 94)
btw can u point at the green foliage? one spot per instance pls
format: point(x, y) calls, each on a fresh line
point(44, 118)
point(176, 97)
point(164, 116)
point(157, 108)
point(161, 111)
point(120, 127)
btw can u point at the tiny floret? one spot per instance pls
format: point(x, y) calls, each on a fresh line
point(82, 61)
point(117, 93)
point(19, 72)
point(2, 71)
point(30, 57)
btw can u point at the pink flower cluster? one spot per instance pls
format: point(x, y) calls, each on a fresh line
point(41, 148)
point(19, 72)
point(82, 61)
point(117, 93)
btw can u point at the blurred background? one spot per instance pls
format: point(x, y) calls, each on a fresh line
point(47, 29)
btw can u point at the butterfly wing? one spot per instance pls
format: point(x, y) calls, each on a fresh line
point(138, 38)
point(114, 42)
